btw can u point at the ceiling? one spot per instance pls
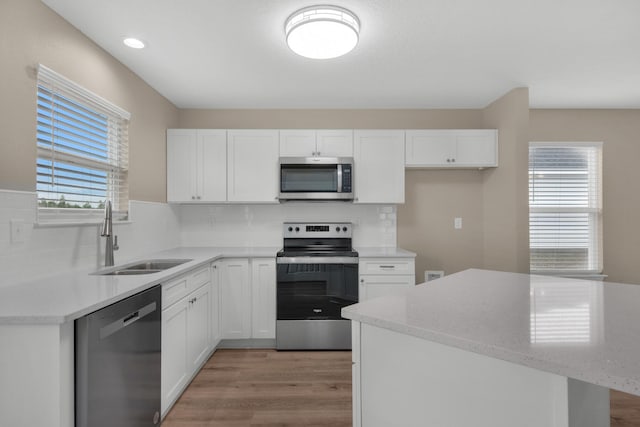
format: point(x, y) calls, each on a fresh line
point(411, 54)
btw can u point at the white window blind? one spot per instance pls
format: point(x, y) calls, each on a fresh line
point(565, 207)
point(82, 144)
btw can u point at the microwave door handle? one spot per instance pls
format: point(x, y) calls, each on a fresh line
point(339, 190)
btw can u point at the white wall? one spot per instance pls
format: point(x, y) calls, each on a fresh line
point(49, 250)
point(261, 225)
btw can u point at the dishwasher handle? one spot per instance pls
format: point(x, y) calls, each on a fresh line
point(127, 320)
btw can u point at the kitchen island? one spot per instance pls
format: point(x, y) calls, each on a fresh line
point(487, 348)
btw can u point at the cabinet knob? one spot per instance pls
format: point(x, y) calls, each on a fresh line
point(198, 197)
point(448, 160)
point(453, 160)
point(193, 197)
point(361, 280)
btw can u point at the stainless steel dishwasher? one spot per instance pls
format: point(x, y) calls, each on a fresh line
point(117, 364)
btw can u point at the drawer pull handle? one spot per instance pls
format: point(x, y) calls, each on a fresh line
point(387, 266)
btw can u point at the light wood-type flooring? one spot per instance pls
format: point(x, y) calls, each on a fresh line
point(268, 388)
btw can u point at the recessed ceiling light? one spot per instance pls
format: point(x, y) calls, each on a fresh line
point(322, 32)
point(133, 43)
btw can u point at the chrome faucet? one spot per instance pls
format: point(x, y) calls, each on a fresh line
point(107, 231)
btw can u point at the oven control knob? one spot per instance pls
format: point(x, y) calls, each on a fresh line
point(290, 229)
point(344, 229)
point(297, 229)
point(338, 229)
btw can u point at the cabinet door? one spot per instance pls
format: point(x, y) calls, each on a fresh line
point(174, 352)
point(235, 299)
point(181, 165)
point(252, 166)
point(477, 148)
point(436, 148)
point(215, 304)
point(334, 143)
point(379, 166)
point(297, 142)
point(378, 286)
point(212, 165)
point(198, 326)
point(263, 297)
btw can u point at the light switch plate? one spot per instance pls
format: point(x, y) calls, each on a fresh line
point(457, 223)
point(17, 230)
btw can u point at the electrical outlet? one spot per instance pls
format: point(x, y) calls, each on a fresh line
point(17, 230)
point(457, 223)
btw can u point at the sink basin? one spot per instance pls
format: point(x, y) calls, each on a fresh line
point(142, 267)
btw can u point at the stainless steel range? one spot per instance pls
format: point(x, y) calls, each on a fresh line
point(317, 275)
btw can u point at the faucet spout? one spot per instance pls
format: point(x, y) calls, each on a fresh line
point(107, 231)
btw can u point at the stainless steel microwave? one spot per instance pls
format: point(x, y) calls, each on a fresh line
point(316, 178)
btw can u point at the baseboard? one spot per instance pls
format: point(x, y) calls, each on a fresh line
point(248, 343)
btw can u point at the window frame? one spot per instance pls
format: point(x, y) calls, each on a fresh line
point(593, 209)
point(54, 94)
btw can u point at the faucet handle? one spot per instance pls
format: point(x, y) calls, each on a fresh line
point(115, 243)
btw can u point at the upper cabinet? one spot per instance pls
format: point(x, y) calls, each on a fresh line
point(252, 174)
point(196, 165)
point(462, 148)
point(324, 143)
point(379, 166)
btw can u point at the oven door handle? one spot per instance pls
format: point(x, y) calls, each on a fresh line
point(317, 260)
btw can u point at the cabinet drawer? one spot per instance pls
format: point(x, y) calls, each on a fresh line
point(177, 288)
point(173, 291)
point(199, 277)
point(386, 266)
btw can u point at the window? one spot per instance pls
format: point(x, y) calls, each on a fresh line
point(565, 208)
point(82, 145)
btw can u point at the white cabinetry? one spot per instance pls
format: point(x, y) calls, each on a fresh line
point(385, 276)
point(235, 299)
point(325, 143)
point(263, 298)
point(463, 148)
point(252, 161)
point(247, 298)
point(185, 331)
point(196, 165)
point(379, 166)
point(215, 304)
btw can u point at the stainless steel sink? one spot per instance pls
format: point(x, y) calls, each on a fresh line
point(142, 267)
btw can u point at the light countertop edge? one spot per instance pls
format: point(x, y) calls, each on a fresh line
point(383, 252)
point(68, 296)
point(379, 313)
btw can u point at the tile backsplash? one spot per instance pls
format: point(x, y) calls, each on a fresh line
point(43, 251)
point(39, 251)
point(261, 225)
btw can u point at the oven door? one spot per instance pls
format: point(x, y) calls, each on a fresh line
point(310, 297)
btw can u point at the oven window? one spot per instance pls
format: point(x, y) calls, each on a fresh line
point(305, 178)
point(315, 291)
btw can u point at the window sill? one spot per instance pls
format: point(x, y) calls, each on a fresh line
point(576, 275)
point(56, 224)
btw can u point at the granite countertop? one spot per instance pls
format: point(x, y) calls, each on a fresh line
point(373, 252)
point(581, 329)
point(68, 296)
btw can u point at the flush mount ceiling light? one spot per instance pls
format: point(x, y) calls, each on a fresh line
point(322, 32)
point(133, 43)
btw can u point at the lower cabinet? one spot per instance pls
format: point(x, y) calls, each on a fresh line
point(263, 298)
point(385, 276)
point(235, 298)
point(247, 298)
point(186, 334)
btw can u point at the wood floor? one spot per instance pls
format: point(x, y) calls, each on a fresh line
point(268, 388)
